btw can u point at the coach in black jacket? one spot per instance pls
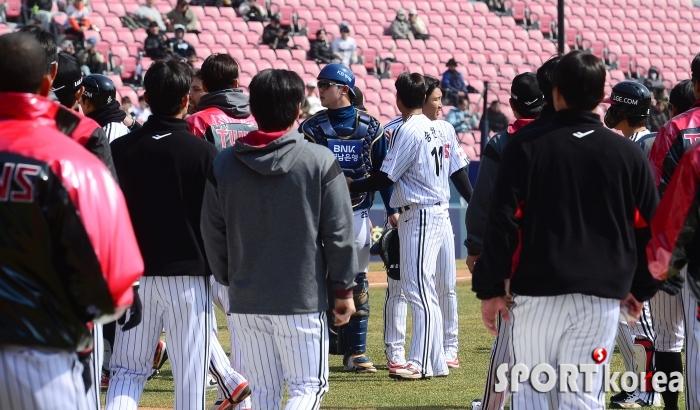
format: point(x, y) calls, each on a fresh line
point(567, 226)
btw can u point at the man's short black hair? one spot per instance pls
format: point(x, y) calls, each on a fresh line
point(22, 64)
point(275, 98)
point(411, 89)
point(47, 41)
point(695, 68)
point(219, 71)
point(529, 113)
point(167, 83)
point(637, 121)
point(544, 77)
point(461, 100)
point(580, 78)
point(431, 84)
point(191, 52)
point(682, 96)
point(197, 74)
point(319, 31)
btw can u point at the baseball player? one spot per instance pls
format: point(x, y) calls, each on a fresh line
point(630, 103)
point(64, 221)
point(284, 340)
point(569, 264)
point(423, 155)
point(162, 171)
point(396, 305)
point(524, 89)
point(356, 138)
point(223, 114)
point(668, 148)
point(99, 102)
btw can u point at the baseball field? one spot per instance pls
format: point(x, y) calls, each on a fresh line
point(378, 391)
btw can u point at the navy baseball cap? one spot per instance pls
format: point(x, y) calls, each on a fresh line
point(340, 74)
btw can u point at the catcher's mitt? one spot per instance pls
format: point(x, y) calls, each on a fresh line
point(389, 251)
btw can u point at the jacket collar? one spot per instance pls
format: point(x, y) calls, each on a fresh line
point(24, 106)
point(106, 114)
point(159, 123)
point(577, 117)
point(518, 124)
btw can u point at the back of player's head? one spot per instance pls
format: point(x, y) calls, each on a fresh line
point(411, 89)
point(580, 79)
point(695, 68)
point(69, 79)
point(219, 72)
point(47, 41)
point(682, 96)
point(275, 99)
point(167, 83)
point(525, 95)
point(358, 101)
point(431, 83)
point(197, 74)
point(544, 77)
point(22, 64)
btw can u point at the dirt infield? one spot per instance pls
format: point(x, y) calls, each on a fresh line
point(378, 279)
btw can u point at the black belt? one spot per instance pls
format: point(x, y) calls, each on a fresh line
point(403, 209)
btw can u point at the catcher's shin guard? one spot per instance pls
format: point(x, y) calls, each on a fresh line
point(354, 334)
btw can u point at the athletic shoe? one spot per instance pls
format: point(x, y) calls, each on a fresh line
point(359, 364)
point(159, 358)
point(409, 372)
point(453, 363)
point(211, 382)
point(394, 365)
point(104, 380)
point(447, 373)
point(624, 400)
point(476, 404)
point(241, 393)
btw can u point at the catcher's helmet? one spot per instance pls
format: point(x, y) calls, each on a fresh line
point(340, 74)
point(627, 100)
point(99, 90)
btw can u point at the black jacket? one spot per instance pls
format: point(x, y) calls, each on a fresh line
point(270, 37)
point(567, 214)
point(155, 47)
point(321, 51)
point(162, 171)
point(497, 121)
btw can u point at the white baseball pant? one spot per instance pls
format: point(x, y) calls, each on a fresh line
point(182, 305)
point(41, 379)
point(220, 296)
point(562, 329)
point(423, 233)
point(285, 348)
point(625, 339)
point(500, 353)
point(93, 392)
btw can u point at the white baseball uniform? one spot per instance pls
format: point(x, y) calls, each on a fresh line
point(633, 353)
point(181, 304)
point(93, 392)
point(692, 347)
point(500, 353)
point(220, 296)
point(422, 156)
point(396, 304)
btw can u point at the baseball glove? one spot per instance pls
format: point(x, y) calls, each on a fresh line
point(390, 251)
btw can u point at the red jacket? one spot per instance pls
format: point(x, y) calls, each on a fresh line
point(223, 118)
point(671, 141)
point(68, 254)
point(674, 240)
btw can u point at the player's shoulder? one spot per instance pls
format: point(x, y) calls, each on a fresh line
point(393, 124)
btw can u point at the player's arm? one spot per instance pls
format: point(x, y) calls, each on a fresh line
point(336, 232)
point(397, 161)
point(675, 224)
point(214, 229)
point(458, 168)
point(380, 146)
point(477, 212)
point(95, 247)
point(501, 234)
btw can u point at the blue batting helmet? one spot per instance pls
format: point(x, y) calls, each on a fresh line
point(340, 74)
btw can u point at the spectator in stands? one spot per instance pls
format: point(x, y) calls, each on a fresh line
point(182, 14)
point(497, 120)
point(144, 110)
point(274, 35)
point(157, 46)
point(192, 57)
point(180, 46)
point(78, 20)
point(68, 47)
point(91, 60)
point(345, 46)
point(400, 28)
point(314, 102)
point(461, 118)
point(128, 107)
point(654, 83)
point(252, 10)
point(148, 13)
point(658, 116)
point(418, 28)
point(321, 50)
point(453, 85)
point(196, 92)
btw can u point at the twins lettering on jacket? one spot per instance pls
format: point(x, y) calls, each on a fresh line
point(16, 182)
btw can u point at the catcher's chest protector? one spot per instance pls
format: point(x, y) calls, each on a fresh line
point(352, 148)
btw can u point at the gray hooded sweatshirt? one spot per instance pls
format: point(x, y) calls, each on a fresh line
point(277, 225)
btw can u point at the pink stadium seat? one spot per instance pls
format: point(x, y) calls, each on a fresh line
point(533, 59)
point(109, 35)
point(497, 58)
point(253, 38)
point(489, 72)
point(597, 48)
point(508, 72)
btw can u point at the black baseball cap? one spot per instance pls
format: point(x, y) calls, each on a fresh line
point(525, 91)
point(68, 80)
point(358, 101)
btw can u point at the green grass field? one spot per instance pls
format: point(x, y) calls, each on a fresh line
point(378, 391)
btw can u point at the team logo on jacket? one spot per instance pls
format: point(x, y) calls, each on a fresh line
point(583, 134)
point(347, 152)
point(17, 182)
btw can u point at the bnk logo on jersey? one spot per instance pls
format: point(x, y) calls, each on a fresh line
point(347, 152)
